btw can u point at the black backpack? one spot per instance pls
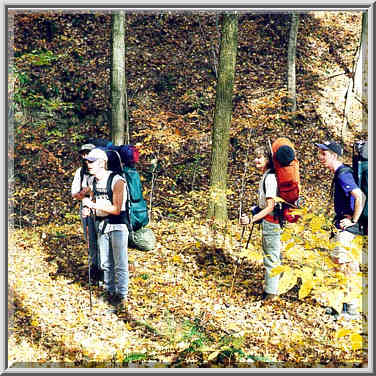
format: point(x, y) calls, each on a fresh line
point(359, 169)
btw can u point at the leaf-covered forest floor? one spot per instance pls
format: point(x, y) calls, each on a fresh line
point(194, 302)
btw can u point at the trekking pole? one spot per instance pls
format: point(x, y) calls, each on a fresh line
point(88, 256)
point(250, 235)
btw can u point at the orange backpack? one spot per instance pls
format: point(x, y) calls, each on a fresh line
point(286, 168)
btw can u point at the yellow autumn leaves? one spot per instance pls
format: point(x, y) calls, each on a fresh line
point(355, 339)
point(306, 247)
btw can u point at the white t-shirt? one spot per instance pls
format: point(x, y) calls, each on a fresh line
point(271, 188)
point(101, 185)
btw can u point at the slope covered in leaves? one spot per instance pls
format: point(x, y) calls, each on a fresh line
point(192, 302)
point(184, 309)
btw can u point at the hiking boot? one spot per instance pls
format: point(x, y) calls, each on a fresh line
point(121, 306)
point(269, 297)
point(351, 309)
point(123, 303)
point(106, 297)
point(331, 311)
point(350, 312)
point(119, 300)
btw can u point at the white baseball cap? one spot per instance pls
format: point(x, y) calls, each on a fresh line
point(87, 147)
point(96, 154)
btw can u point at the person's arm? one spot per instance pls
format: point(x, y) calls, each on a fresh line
point(270, 203)
point(105, 205)
point(82, 194)
point(78, 192)
point(360, 201)
point(76, 183)
point(271, 191)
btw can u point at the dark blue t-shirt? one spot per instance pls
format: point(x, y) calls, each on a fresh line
point(344, 202)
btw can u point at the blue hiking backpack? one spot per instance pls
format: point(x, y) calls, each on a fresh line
point(137, 208)
point(122, 160)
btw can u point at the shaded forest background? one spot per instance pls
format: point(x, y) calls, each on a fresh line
point(59, 90)
point(62, 96)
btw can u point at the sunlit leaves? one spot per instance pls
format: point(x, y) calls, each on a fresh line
point(278, 270)
point(305, 288)
point(316, 224)
point(356, 340)
point(251, 255)
point(287, 281)
point(335, 299)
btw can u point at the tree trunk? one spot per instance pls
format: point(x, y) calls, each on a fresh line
point(364, 52)
point(358, 80)
point(291, 58)
point(222, 118)
point(118, 87)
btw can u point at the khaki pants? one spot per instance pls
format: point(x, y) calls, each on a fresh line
point(345, 261)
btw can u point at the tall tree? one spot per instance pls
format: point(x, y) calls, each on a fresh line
point(222, 118)
point(118, 82)
point(364, 54)
point(291, 59)
point(358, 80)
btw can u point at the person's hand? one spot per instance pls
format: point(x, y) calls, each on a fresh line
point(88, 203)
point(244, 220)
point(85, 212)
point(346, 222)
point(85, 191)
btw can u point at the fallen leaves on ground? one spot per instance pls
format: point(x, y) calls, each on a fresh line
point(180, 309)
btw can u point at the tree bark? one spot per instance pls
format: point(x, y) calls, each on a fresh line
point(291, 58)
point(222, 118)
point(364, 52)
point(359, 79)
point(118, 86)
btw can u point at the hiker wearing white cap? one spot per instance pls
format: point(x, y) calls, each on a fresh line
point(108, 201)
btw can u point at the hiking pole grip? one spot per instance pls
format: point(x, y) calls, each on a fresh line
point(250, 235)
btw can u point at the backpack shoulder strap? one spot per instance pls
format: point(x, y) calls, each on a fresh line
point(342, 170)
point(109, 185)
point(264, 183)
point(95, 186)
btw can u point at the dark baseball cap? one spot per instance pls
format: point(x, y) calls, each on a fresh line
point(331, 145)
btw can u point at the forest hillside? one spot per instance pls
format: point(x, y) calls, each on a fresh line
point(194, 299)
